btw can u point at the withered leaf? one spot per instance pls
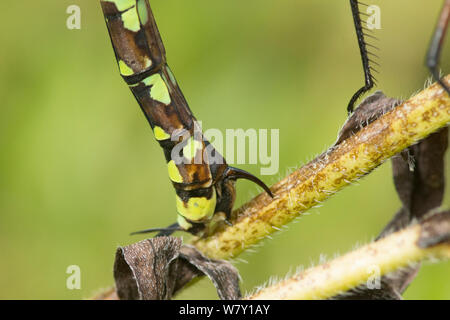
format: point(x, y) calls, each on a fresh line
point(142, 269)
point(369, 110)
point(435, 230)
point(419, 178)
point(155, 269)
point(218, 271)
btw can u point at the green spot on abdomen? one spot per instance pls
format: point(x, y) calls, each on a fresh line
point(174, 173)
point(158, 90)
point(171, 76)
point(130, 20)
point(160, 134)
point(122, 5)
point(197, 208)
point(183, 223)
point(124, 69)
point(142, 11)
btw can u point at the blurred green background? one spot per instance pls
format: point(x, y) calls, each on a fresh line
point(79, 168)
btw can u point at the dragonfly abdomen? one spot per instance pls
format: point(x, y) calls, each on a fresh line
point(203, 182)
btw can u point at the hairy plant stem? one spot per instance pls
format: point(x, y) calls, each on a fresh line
point(331, 171)
point(363, 265)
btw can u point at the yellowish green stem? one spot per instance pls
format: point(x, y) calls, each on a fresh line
point(413, 120)
point(395, 251)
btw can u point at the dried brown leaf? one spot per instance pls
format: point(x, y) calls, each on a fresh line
point(155, 269)
point(435, 230)
point(370, 109)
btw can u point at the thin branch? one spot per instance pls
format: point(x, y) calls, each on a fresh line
point(424, 241)
point(338, 167)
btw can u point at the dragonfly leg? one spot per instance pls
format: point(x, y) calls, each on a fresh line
point(162, 232)
point(434, 51)
point(369, 80)
point(169, 230)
